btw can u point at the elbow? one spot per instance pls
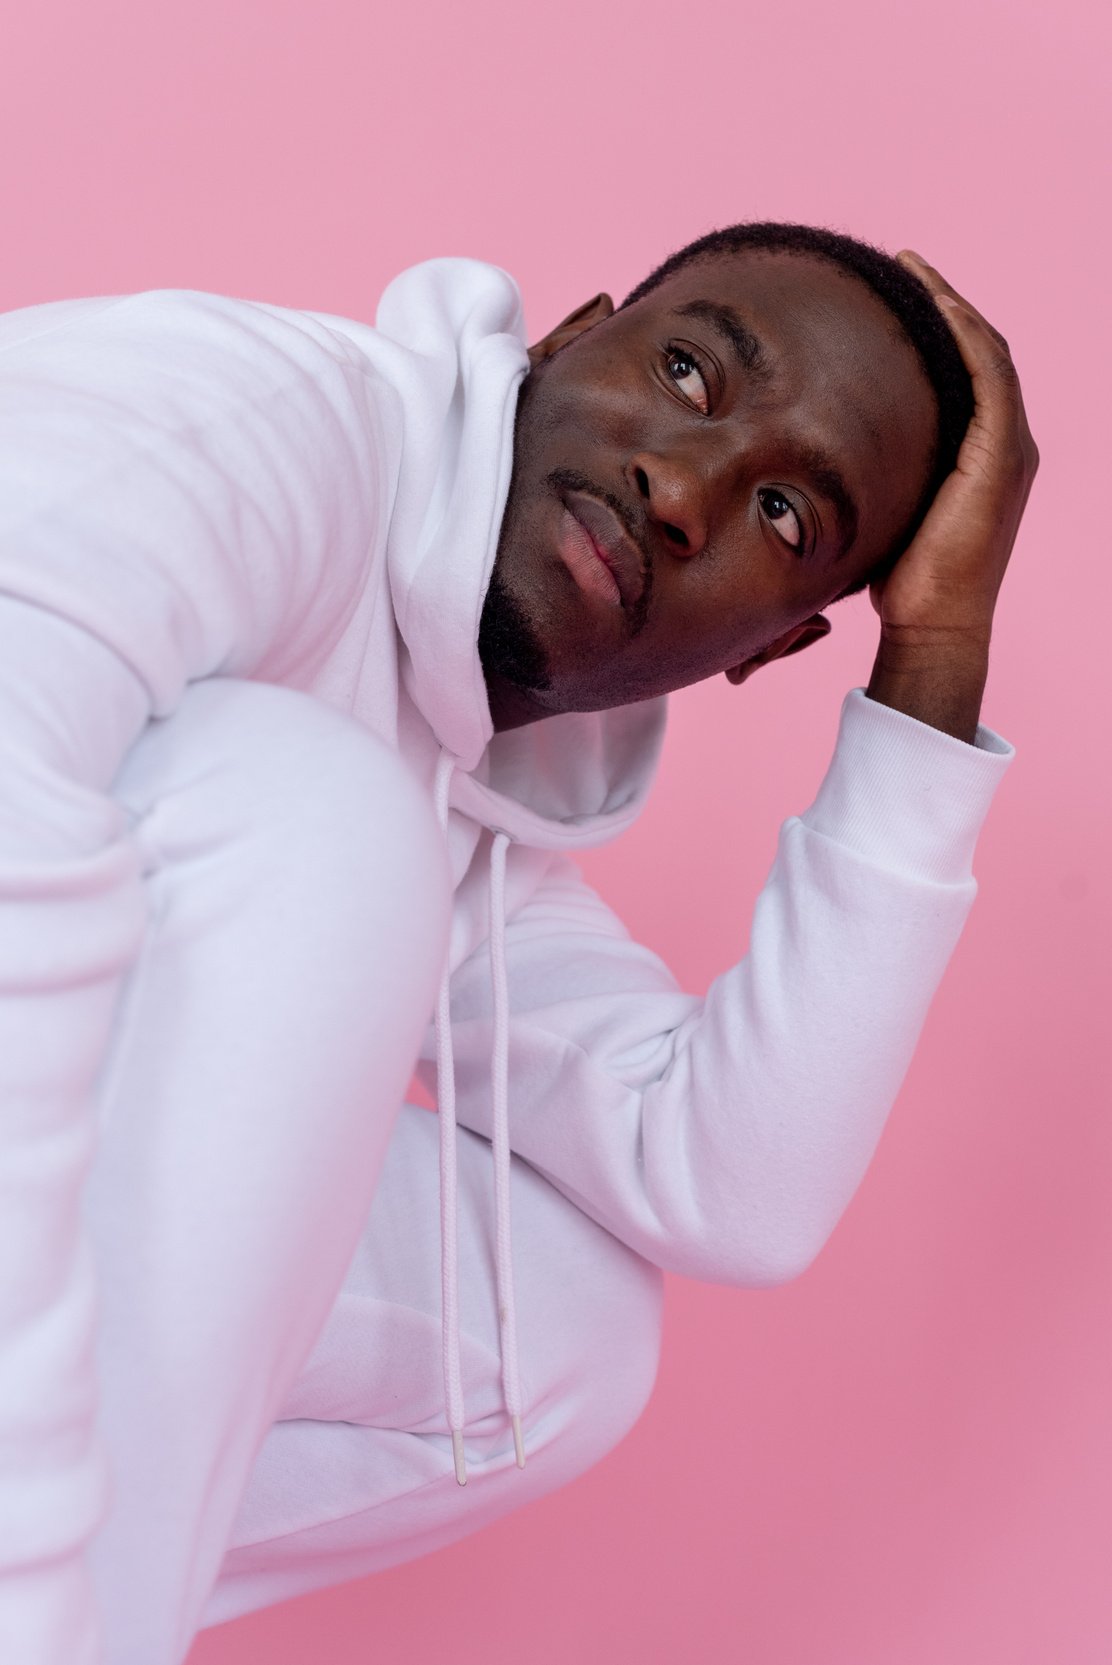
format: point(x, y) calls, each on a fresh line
point(783, 1261)
point(749, 1231)
point(762, 1261)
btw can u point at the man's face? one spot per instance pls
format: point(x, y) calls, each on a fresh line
point(694, 477)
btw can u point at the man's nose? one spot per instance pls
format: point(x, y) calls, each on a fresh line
point(674, 497)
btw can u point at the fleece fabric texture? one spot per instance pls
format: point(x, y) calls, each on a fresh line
point(205, 487)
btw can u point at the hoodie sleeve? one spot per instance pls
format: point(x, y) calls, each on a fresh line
point(181, 495)
point(723, 1137)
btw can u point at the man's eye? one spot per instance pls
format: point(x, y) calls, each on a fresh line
point(683, 367)
point(777, 508)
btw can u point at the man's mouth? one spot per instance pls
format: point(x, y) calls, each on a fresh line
point(612, 544)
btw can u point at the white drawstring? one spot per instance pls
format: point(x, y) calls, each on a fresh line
point(449, 1230)
point(499, 1078)
point(500, 1140)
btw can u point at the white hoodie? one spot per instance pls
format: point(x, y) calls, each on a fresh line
point(209, 486)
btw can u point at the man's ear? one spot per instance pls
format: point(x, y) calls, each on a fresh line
point(591, 312)
point(792, 641)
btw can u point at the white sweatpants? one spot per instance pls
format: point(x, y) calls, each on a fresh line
point(267, 1356)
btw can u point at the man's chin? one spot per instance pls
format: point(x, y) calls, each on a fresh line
point(509, 646)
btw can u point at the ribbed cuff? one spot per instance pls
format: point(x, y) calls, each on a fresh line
point(906, 795)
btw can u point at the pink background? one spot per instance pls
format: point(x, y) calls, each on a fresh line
point(904, 1456)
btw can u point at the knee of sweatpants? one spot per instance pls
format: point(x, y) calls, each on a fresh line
point(358, 1474)
point(316, 797)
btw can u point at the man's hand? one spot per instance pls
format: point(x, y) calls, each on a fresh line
point(936, 604)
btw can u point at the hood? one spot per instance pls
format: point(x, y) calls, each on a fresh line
point(455, 331)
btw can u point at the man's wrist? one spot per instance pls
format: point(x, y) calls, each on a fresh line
point(936, 677)
point(905, 796)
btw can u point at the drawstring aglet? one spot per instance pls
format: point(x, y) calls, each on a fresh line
point(457, 1453)
point(519, 1443)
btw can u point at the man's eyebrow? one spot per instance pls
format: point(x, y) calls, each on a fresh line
point(735, 332)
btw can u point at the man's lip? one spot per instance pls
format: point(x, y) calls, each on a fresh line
point(614, 545)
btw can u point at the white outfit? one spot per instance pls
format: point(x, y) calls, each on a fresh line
point(255, 827)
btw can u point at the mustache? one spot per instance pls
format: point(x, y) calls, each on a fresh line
point(571, 479)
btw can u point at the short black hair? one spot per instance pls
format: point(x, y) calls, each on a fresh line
point(907, 299)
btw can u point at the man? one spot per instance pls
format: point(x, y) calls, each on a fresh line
point(324, 649)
